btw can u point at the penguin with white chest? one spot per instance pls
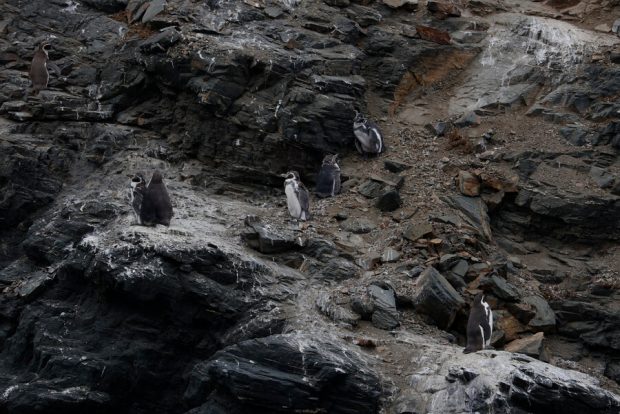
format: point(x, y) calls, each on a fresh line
point(479, 325)
point(328, 181)
point(368, 137)
point(136, 194)
point(297, 196)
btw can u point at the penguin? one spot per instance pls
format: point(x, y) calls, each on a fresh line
point(479, 325)
point(297, 196)
point(39, 76)
point(368, 138)
point(156, 207)
point(136, 194)
point(328, 182)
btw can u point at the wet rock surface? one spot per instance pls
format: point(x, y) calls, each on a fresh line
point(501, 177)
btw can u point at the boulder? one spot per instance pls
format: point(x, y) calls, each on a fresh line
point(469, 184)
point(433, 35)
point(410, 5)
point(283, 374)
point(533, 346)
point(443, 8)
point(500, 382)
point(385, 315)
point(358, 225)
point(389, 201)
point(436, 298)
point(267, 239)
point(390, 255)
point(417, 230)
point(327, 304)
point(500, 287)
point(544, 317)
point(396, 166)
point(474, 211)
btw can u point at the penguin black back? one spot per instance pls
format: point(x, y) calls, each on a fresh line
point(39, 75)
point(328, 181)
point(479, 325)
point(156, 206)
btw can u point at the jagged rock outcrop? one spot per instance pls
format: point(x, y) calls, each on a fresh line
point(284, 373)
point(215, 314)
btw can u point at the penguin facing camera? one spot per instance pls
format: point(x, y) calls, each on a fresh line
point(328, 181)
point(136, 194)
point(368, 137)
point(297, 196)
point(479, 325)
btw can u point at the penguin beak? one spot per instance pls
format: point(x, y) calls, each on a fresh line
point(283, 175)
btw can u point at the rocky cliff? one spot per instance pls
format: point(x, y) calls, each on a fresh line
point(502, 127)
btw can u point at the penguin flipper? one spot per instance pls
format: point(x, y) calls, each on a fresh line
point(358, 146)
point(304, 201)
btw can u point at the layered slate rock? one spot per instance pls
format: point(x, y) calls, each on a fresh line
point(500, 382)
point(436, 298)
point(283, 374)
point(385, 315)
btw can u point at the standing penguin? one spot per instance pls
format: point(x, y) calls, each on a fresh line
point(479, 325)
point(156, 207)
point(368, 138)
point(39, 75)
point(297, 196)
point(328, 182)
point(136, 194)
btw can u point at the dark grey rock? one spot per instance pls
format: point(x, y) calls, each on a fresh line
point(371, 188)
point(385, 315)
point(390, 255)
point(389, 201)
point(461, 374)
point(447, 261)
point(544, 318)
point(358, 225)
point(474, 210)
point(336, 269)
point(363, 305)
point(269, 240)
point(436, 298)
point(460, 268)
point(417, 230)
point(575, 135)
point(588, 216)
point(281, 373)
point(440, 128)
point(499, 287)
point(326, 303)
point(467, 120)
point(602, 177)
point(396, 166)
point(415, 271)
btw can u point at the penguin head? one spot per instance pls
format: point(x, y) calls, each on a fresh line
point(359, 118)
point(291, 175)
point(45, 48)
point(137, 180)
point(157, 178)
point(330, 159)
point(478, 299)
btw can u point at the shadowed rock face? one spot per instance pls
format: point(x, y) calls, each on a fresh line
point(213, 316)
point(303, 374)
